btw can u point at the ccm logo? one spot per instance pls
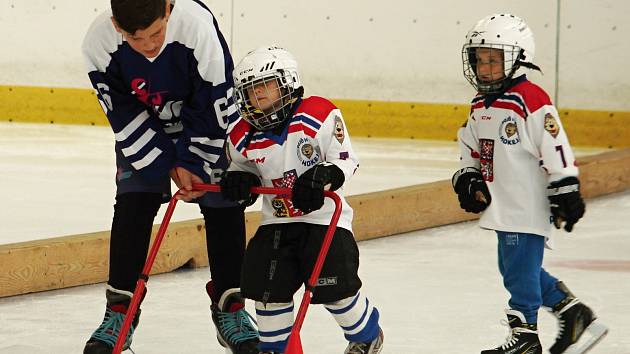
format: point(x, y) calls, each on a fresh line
point(486, 117)
point(327, 281)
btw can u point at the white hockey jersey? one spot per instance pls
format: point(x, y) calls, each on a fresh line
point(520, 146)
point(316, 132)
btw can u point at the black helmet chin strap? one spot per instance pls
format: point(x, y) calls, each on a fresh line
point(287, 109)
point(520, 62)
point(528, 65)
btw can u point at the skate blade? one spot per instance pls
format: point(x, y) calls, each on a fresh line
point(594, 333)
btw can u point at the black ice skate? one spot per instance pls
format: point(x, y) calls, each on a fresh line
point(523, 338)
point(105, 336)
point(373, 347)
point(232, 322)
point(577, 331)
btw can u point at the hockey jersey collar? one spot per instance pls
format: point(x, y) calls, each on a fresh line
point(489, 99)
point(282, 136)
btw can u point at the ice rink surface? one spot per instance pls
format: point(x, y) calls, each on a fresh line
point(438, 290)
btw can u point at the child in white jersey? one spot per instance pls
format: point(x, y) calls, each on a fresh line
point(284, 140)
point(518, 167)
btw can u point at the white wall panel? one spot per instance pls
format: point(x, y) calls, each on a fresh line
point(41, 41)
point(402, 50)
point(222, 10)
point(595, 54)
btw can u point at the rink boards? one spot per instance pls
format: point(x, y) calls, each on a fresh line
point(82, 259)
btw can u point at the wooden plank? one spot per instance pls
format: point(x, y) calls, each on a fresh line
point(605, 173)
point(406, 209)
point(83, 259)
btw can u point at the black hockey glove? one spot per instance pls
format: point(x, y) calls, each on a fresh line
point(236, 186)
point(566, 202)
point(472, 192)
point(308, 190)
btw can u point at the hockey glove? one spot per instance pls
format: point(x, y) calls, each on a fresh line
point(308, 190)
point(236, 186)
point(566, 202)
point(472, 192)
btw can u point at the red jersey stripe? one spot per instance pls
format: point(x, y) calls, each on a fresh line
point(316, 107)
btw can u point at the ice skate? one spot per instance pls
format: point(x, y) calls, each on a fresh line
point(577, 330)
point(373, 347)
point(523, 338)
point(232, 322)
point(104, 338)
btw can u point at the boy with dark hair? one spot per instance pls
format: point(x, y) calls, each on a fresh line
point(517, 166)
point(287, 141)
point(163, 75)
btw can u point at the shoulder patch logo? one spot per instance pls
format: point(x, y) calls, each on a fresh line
point(551, 126)
point(339, 133)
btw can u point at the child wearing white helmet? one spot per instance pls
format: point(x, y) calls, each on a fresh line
point(284, 140)
point(518, 168)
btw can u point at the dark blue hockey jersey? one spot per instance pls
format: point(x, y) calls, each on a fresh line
point(171, 110)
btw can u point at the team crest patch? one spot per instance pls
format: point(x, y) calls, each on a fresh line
point(281, 204)
point(508, 131)
point(551, 126)
point(280, 209)
point(339, 133)
point(308, 152)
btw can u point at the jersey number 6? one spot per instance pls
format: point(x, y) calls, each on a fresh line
point(223, 109)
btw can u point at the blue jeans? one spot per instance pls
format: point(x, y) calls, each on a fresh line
point(520, 263)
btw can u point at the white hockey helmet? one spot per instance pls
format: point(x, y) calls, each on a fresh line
point(262, 66)
point(504, 32)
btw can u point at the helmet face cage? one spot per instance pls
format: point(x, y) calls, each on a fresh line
point(248, 105)
point(510, 54)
